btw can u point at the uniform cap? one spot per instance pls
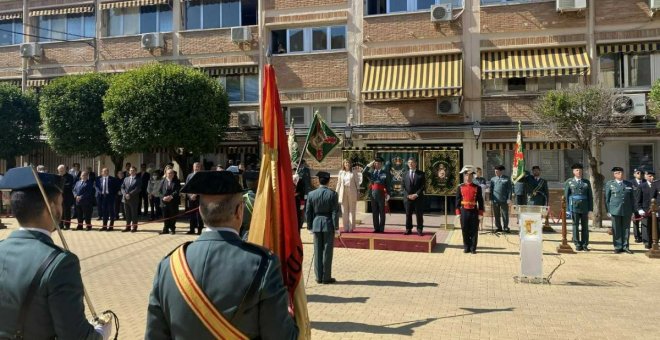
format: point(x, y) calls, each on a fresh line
point(466, 169)
point(638, 170)
point(379, 159)
point(617, 168)
point(212, 183)
point(577, 166)
point(500, 167)
point(323, 174)
point(17, 179)
point(650, 172)
point(536, 167)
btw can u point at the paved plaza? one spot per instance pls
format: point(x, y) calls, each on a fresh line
point(442, 295)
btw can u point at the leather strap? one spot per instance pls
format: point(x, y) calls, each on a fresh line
point(200, 304)
point(31, 292)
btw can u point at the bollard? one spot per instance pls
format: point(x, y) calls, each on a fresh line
point(654, 252)
point(564, 247)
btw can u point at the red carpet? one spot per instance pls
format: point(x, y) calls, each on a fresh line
point(391, 239)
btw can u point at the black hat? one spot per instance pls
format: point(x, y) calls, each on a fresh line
point(617, 168)
point(323, 174)
point(650, 172)
point(500, 167)
point(251, 175)
point(577, 166)
point(212, 183)
point(17, 179)
point(379, 159)
point(535, 167)
point(638, 170)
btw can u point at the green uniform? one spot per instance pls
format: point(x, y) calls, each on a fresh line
point(500, 194)
point(248, 199)
point(323, 220)
point(579, 197)
point(224, 267)
point(376, 179)
point(537, 191)
point(619, 202)
point(57, 309)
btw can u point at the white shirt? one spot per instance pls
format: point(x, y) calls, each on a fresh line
point(209, 229)
point(347, 178)
point(618, 181)
point(104, 186)
point(43, 231)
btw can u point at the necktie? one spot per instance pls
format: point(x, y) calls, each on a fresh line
point(412, 176)
point(105, 185)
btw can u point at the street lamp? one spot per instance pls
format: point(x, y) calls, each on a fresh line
point(476, 130)
point(348, 134)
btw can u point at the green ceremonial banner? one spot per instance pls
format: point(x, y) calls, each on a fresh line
point(518, 169)
point(441, 168)
point(320, 139)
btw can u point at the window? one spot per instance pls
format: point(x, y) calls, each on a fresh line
point(375, 7)
point(242, 88)
point(333, 114)
point(641, 156)
point(532, 85)
point(619, 70)
point(297, 114)
point(206, 14)
point(11, 32)
point(66, 27)
point(306, 40)
point(137, 20)
point(337, 115)
point(639, 70)
point(610, 70)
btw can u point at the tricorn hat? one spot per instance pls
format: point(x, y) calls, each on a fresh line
point(577, 166)
point(17, 179)
point(379, 159)
point(323, 174)
point(212, 183)
point(617, 168)
point(499, 167)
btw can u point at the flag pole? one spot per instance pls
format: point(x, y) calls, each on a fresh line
point(304, 150)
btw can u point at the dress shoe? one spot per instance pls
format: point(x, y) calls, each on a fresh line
point(329, 281)
point(111, 228)
point(647, 246)
point(578, 248)
point(627, 251)
point(164, 232)
point(79, 228)
point(585, 248)
point(420, 233)
point(172, 232)
point(498, 230)
point(465, 251)
point(319, 281)
point(507, 230)
point(103, 229)
point(408, 232)
point(473, 251)
point(127, 229)
point(638, 240)
point(134, 229)
point(89, 228)
point(190, 232)
point(618, 251)
point(199, 232)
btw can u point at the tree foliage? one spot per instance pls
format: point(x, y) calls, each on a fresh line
point(654, 100)
point(71, 109)
point(165, 106)
point(583, 116)
point(20, 118)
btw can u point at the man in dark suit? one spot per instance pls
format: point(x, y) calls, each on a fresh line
point(144, 194)
point(84, 195)
point(106, 190)
point(323, 221)
point(243, 281)
point(536, 188)
point(647, 192)
point(130, 191)
point(53, 308)
point(67, 197)
point(192, 202)
point(414, 183)
point(305, 177)
point(170, 201)
point(637, 183)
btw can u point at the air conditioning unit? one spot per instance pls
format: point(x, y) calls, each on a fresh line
point(441, 12)
point(247, 119)
point(30, 50)
point(241, 34)
point(150, 41)
point(654, 5)
point(633, 104)
point(571, 5)
point(449, 106)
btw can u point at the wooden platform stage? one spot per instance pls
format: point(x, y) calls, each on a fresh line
point(391, 239)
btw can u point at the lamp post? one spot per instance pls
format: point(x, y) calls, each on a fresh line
point(348, 134)
point(476, 130)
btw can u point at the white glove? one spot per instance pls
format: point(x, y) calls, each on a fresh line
point(508, 202)
point(609, 215)
point(337, 233)
point(387, 197)
point(641, 212)
point(105, 330)
point(310, 232)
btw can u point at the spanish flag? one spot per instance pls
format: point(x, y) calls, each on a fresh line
point(274, 219)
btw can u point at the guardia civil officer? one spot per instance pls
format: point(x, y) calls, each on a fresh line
point(500, 198)
point(579, 196)
point(241, 281)
point(619, 203)
point(380, 187)
point(323, 220)
point(470, 208)
point(41, 290)
point(537, 188)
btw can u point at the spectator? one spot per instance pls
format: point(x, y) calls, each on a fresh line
point(144, 194)
point(130, 191)
point(84, 195)
point(153, 190)
point(119, 208)
point(170, 201)
point(67, 196)
point(41, 169)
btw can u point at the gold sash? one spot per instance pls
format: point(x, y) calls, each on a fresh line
point(215, 323)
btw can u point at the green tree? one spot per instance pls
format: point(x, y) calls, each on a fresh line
point(654, 101)
point(583, 116)
point(20, 118)
point(71, 111)
point(165, 106)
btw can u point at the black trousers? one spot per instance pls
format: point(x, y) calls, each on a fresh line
point(84, 214)
point(144, 202)
point(416, 207)
point(66, 215)
point(470, 228)
point(107, 209)
point(119, 207)
point(637, 230)
point(170, 210)
point(521, 200)
point(647, 231)
point(156, 211)
point(195, 217)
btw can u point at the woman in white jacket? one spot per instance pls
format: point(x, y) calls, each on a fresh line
point(348, 187)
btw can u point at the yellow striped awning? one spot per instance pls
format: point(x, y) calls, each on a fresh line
point(132, 3)
point(413, 77)
point(650, 46)
point(529, 146)
point(61, 11)
point(11, 15)
point(559, 61)
point(13, 82)
point(38, 82)
point(221, 71)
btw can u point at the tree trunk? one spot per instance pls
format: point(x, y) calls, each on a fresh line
point(597, 186)
point(118, 161)
point(182, 160)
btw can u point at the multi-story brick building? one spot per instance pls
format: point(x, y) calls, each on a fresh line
point(405, 83)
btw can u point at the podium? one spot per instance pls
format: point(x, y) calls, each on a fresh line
point(530, 221)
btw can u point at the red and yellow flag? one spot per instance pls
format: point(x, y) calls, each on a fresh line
point(274, 220)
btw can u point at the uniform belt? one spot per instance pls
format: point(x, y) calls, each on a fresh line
point(469, 202)
point(579, 197)
point(377, 186)
point(324, 214)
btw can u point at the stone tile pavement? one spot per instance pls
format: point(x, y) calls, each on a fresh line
point(390, 295)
